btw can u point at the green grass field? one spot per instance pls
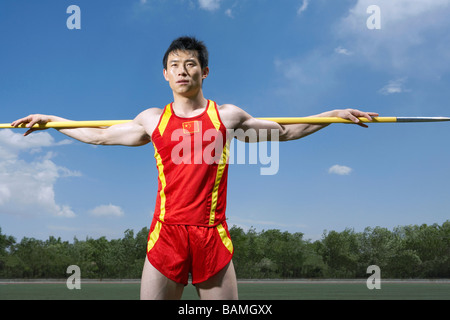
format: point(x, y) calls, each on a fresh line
point(263, 290)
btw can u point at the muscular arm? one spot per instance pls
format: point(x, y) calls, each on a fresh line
point(134, 133)
point(236, 118)
point(127, 134)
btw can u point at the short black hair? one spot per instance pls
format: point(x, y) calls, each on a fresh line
point(187, 43)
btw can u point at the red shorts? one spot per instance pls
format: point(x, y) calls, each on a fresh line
point(177, 250)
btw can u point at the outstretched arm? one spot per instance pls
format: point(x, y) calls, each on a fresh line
point(133, 133)
point(236, 118)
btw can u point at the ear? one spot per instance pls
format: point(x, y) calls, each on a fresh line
point(205, 73)
point(165, 74)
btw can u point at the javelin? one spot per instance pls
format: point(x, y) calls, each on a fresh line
point(280, 120)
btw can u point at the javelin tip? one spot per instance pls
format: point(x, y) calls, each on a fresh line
point(422, 119)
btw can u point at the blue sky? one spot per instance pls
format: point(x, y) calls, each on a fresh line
point(284, 58)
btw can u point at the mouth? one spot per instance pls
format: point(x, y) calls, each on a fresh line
point(182, 81)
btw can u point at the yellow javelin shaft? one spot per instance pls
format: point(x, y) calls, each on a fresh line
point(326, 120)
point(280, 120)
point(69, 124)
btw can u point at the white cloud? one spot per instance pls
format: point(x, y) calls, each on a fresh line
point(229, 13)
point(398, 13)
point(27, 187)
point(303, 7)
point(343, 51)
point(340, 170)
point(209, 5)
point(107, 211)
point(11, 144)
point(412, 43)
point(413, 38)
point(394, 86)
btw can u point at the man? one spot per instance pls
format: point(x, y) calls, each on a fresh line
point(188, 233)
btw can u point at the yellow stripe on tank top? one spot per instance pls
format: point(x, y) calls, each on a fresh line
point(212, 113)
point(162, 178)
point(165, 120)
point(215, 194)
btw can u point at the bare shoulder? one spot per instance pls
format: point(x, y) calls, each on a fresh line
point(232, 116)
point(149, 119)
point(150, 113)
point(228, 108)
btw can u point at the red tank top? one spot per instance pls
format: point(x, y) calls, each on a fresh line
point(192, 161)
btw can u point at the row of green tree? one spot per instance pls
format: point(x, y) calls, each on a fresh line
point(405, 252)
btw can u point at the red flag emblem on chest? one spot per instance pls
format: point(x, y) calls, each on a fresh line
point(191, 127)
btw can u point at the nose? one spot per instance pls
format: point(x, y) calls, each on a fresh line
point(182, 71)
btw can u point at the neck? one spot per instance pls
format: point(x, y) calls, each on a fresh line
point(189, 105)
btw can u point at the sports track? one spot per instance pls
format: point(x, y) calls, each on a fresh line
point(248, 290)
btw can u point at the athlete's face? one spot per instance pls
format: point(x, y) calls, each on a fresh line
point(184, 72)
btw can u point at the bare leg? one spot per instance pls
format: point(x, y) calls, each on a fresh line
point(223, 286)
point(156, 286)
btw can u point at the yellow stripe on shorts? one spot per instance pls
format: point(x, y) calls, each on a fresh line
point(225, 239)
point(154, 236)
